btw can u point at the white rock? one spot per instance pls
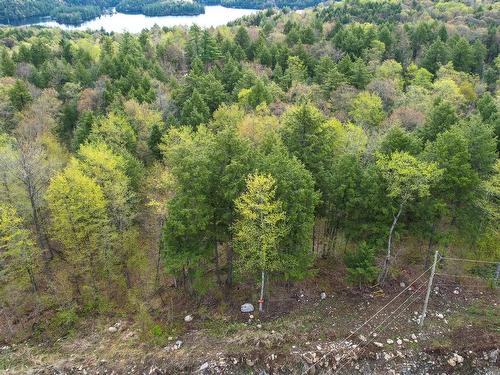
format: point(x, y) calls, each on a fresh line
point(458, 358)
point(413, 336)
point(456, 291)
point(246, 308)
point(399, 341)
point(374, 334)
point(440, 316)
point(188, 318)
point(259, 326)
point(390, 341)
point(402, 284)
point(250, 316)
point(452, 362)
point(362, 338)
point(323, 295)
point(178, 344)
point(378, 344)
point(388, 356)
point(493, 356)
point(112, 329)
point(204, 366)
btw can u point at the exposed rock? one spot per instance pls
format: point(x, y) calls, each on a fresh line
point(247, 308)
point(388, 356)
point(112, 329)
point(493, 356)
point(402, 284)
point(323, 295)
point(456, 291)
point(378, 344)
point(188, 318)
point(178, 344)
point(440, 316)
point(456, 359)
point(204, 366)
point(310, 357)
point(399, 342)
point(413, 336)
point(390, 341)
point(259, 326)
point(249, 362)
point(362, 338)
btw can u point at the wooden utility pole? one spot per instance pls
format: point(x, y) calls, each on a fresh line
point(429, 289)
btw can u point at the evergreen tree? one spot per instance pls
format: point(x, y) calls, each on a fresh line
point(441, 117)
point(209, 49)
point(19, 95)
point(360, 265)
point(155, 140)
point(8, 66)
point(195, 111)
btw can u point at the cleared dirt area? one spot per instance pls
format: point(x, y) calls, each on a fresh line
point(299, 333)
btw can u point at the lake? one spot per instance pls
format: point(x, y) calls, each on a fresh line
point(215, 15)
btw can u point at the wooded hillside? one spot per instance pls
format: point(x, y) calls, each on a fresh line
point(195, 161)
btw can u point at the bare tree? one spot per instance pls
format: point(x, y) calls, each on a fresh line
point(27, 164)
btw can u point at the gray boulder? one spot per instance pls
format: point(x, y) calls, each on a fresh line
point(247, 308)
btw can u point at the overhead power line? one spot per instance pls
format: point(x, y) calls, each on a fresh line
point(400, 307)
point(371, 318)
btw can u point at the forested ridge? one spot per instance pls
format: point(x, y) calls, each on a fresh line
point(184, 164)
point(75, 12)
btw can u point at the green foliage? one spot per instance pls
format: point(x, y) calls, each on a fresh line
point(367, 110)
point(360, 265)
point(407, 177)
point(19, 256)
point(8, 66)
point(81, 226)
point(19, 95)
point(441, 117)
point(260, 226)
point(97, 170)
point(195, 111)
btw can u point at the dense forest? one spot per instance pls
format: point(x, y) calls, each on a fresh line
point(194, 161)
point(75, 12)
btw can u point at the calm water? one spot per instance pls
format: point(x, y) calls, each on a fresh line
point(118, 22)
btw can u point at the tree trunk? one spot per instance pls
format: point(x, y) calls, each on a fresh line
point(158, 261)
point(387, 260)
point(217, 265)
point(261, 300)
point(429, 246)
point(229, 260)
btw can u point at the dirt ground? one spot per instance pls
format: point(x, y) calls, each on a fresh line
point(300, 333)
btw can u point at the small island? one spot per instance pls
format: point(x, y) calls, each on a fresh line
point(75, 12)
